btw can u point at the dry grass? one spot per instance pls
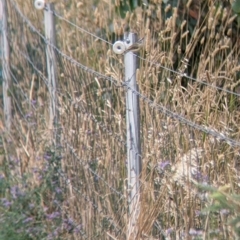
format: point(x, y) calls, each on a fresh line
point(92, 115)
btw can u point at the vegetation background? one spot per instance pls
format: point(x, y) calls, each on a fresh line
point(77, 189)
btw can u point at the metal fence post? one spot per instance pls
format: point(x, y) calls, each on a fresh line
point(5, 66)
point(133, 137)
point(50, 34)
point(51, 67)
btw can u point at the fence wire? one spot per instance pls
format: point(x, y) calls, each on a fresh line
point(181, 147)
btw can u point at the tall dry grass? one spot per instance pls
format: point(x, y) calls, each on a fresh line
point(200, 40)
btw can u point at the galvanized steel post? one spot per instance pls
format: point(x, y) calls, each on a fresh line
point(133, 136)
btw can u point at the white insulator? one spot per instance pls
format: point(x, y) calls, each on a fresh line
point(39, 4)
point(119, 47)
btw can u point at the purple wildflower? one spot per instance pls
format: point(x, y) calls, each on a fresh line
point(163, 165)
point(28, 115)
point(195, 232)
point(34, 101)
point(78, 228)
point(58, 190)
point(5, 202)
point(197, 213)
point(47, 156)
point(169, 231)
point(53, 215)
point(68, 224)
point(198, 176)
point(224, 211)
point(29, 219)
point(15, 192)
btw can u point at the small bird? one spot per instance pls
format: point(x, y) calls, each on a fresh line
point(135, 47)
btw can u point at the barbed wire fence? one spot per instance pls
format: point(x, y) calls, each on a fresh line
point(91, 153)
